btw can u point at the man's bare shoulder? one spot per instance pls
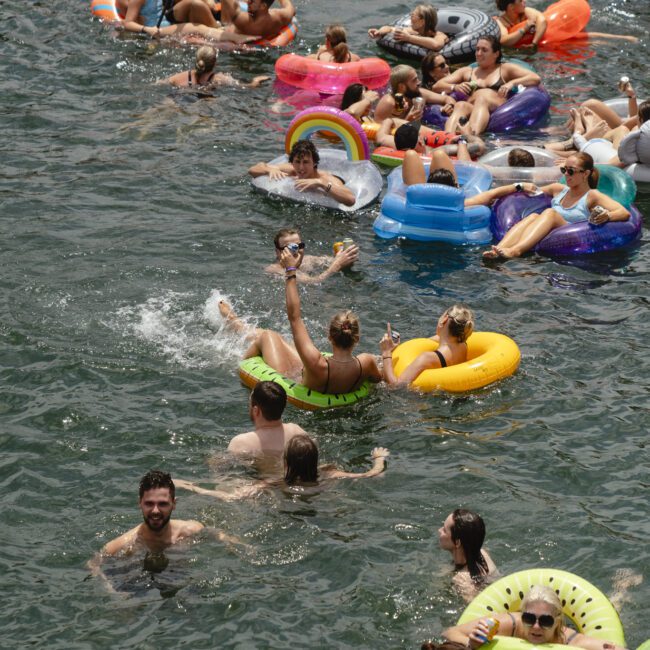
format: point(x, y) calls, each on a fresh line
point(124, 542)
point(244, 443)
point(183, 528)
point(291, 429)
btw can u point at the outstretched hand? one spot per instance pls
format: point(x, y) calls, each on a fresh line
point(380, 452)
point(346, 258)
point(387, 345)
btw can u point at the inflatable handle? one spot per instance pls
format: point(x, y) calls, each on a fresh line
point(326, 118)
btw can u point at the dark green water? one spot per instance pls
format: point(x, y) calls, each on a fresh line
point(127, 214)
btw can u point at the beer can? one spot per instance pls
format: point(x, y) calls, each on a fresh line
point(338, 247)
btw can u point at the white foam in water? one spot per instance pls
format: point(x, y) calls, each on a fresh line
point(194, 337)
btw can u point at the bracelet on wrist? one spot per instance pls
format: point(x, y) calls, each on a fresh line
point(288, 269)
point(391, 358)
point(143, 28)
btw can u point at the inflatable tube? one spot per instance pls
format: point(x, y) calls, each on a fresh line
point(564, 19)
point(432, 212)
point(522, 109)
point(645, 645)
point(254, 370)
point(543, 173)
point(490, 357)
point(362, 177)
point(615, 183)
point(464, 26)
point(390, 157)
point(106, 10)
point(581, 238)
point(331, 78)
point(326, 118)
point(586, 606)
point(619, 105)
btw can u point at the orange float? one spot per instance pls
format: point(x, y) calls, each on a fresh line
point(564, 20)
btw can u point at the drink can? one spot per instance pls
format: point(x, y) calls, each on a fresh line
point(623, 82)
point(338, 247)
point(493, 629)
point(347, 242)
point(293, 247)
point(418, 103)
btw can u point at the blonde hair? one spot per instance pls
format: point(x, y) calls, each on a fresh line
point(206, 59)
point(344, 329)
point(540, 594)
point(337, 38)
point(399, 75)
point(429, 15)
point(461, 322)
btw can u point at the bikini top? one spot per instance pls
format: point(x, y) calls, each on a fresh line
point(573, 213)
point(354, 385)
point(496, 85)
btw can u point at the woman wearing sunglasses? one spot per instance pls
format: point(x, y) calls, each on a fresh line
point(539, 621)
point(434, 67)
point(578, 200)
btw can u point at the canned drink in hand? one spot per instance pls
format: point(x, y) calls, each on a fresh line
point(596, 212)
point(623, 83)
point(293, 248)
point(493, 629)
point(395, 336)
point(418, 103)
point(337, 247)
point(347, 242)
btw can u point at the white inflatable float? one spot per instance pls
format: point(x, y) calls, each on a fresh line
point(543, 173)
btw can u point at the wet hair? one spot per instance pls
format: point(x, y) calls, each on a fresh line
point(206, 59)
point(541, 594)
point(429, 15)
point(157, 479)
point(344, 329)
point(283, 233)
point(461, 323)
point(427, 67)
point(502, 5)
point(469, 529)
point(406, 137)
point(644, 111)
point(302, 148)
point(442, 177)
point(338, 42)
point(518, 157)
point(446, 645)
point(495, 44)
point(268, 3)
point(587, 163)
point(353, 94)
point(399, 75)
point(301, 459)
point(271, 399)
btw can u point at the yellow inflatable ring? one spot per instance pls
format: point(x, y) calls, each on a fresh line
point(490, 357)
point(588, 608)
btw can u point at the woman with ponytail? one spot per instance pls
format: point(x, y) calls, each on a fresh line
point(454, 327)
point(335, 49)
point(342, 372)
point(578, 200)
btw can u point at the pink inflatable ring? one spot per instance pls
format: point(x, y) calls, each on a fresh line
point(331, 78)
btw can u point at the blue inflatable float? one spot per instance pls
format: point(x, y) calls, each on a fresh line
point(432, 212)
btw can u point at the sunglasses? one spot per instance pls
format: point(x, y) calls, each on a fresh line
point(545, 620)
point(441, 65)
point(293, 247)
point(570, 171)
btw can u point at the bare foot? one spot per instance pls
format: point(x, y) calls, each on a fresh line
point(508, 253)
point(232, 320)
point(578, 124)
point(599, 130)
point(589, 118)
point(491, 254)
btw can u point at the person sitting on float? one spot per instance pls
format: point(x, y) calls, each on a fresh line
point(301, 360)
point(515, 12)
point(358, 101)
point(303, 165)
point(335, 49)
point(462, 534)
point(539, 621)
point(434, 68)
point(257, 18)
point(144, 17)
point(301, 468)
point(454, 326)
point(487, 87)
point(204, 73)
point(405, 87)
point(422, 32)
point(576, 201)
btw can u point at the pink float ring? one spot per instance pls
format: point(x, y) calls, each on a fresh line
point(331, 78)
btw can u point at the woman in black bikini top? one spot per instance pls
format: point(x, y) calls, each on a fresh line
point(454, 327)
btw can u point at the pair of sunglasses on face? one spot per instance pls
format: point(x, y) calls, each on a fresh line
point(570, 171)
point(545, 620)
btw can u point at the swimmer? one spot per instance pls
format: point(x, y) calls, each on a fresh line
point(405, 87)
point(358, 101)
point(462, 534)
point(515, 12)
point(453, 328)
point(303, 166)
point(576, 201)
point(422, 32)
point(204, 73)
point(335, 49)
point(301, 360)
point(259, 19)
point(487, 86)
point(301, 469)
point(310, 263)
point(144, 17)
point(539, 621)
point(159, 530)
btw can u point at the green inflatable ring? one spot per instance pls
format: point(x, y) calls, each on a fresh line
point(255, 369)
point(616, 183)
point(584, 604)
point(644, 646)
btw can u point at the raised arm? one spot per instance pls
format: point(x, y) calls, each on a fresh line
point(378, 455)
point(434, 43)
point(488, 197)
point(286, 12)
